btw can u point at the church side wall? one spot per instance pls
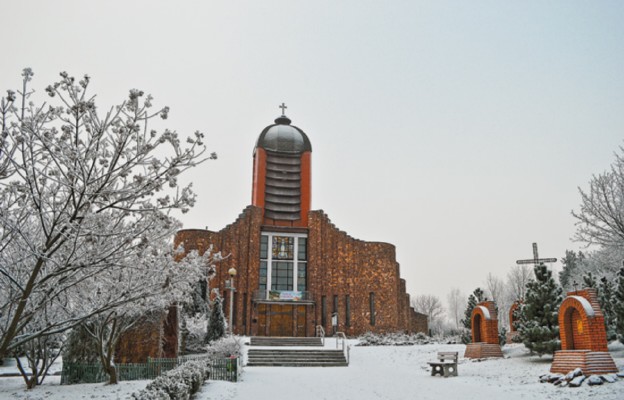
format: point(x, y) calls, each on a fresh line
point(339, 266)
point(239, 243)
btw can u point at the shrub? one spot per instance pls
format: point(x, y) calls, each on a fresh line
point(178, 384)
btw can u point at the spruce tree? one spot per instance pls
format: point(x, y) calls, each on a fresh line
point(571, 262)
point(589, 281)
point(216, 322)
point(539, 325)
point(619, 306)
point(606, 299)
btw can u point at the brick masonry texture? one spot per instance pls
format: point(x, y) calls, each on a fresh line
point(578, 330)
point(583, 337)
point(484, 329)
point(338, 265)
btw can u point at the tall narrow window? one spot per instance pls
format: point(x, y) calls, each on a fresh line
point(335, 303)
point(348, 310)
point(323, 311)
point(235, 301)
point(244, 313)
point(302, 257)
point(371, 300)
point(264, 254)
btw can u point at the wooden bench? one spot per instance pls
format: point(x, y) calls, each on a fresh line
point(446, 364)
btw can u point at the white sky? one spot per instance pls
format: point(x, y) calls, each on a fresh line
point(458, 131)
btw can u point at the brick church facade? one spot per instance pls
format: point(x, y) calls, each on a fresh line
point(295, 269)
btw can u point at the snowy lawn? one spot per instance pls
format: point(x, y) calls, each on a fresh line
point(375, 373)
point(402, 373)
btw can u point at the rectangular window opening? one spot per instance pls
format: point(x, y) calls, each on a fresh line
point(371, 301)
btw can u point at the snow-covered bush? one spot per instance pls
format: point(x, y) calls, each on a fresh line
point(393, 339)
point(225, 347)
point(178, 384)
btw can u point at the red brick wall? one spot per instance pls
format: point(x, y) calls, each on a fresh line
point(337, 265)
point(578, 330)
point(340, 265)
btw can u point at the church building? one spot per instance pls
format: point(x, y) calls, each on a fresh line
point(294, 269)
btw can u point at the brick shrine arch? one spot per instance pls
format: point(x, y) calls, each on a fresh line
point(581, 325)
point(484, 323)
point(484, 326)
point(583, 336)
point(512, 318)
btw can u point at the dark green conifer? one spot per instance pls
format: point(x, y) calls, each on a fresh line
point(539, 326)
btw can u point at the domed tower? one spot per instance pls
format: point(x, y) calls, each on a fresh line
point(282, 174)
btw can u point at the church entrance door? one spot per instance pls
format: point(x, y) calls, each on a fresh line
point(286, 320)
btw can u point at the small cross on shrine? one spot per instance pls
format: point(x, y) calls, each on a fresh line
point(536, 260)
point(283, 107)
point(575, 286)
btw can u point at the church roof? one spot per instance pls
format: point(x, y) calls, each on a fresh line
point(282, 137)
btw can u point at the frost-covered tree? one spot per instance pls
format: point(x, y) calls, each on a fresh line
point(456, 301)
point(145, 288)
point(600, 219)
point(216, 322)
point(82, 192)
point(607, 300)
point(432, 307)
point(572, 263)
point(517, 278)
point(538, 325)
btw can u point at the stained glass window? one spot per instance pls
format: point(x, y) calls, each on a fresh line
point(283, 247)
point(283, 263)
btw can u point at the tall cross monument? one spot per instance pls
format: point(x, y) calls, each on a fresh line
point(536, 260)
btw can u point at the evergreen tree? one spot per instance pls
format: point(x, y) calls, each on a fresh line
point(539, 326)
point(476, 297)
point(571, 263)
point(606, 299)
point(216, 322)
point(589, 281)
point(619, 305)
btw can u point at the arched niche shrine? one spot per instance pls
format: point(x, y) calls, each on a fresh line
point(484, 324)
point(512, 320)
point(583, 336)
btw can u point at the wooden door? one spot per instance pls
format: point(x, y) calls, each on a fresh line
point(281, 320)
point(300, 321)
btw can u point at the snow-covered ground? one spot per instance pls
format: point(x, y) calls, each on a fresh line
point(375, 373)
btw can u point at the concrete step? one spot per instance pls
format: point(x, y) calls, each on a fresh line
point(285, 341)
point(297, 364)
point(295, 358)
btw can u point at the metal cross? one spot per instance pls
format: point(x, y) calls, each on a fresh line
point(575, 286)
point(283, 107)
point(536, 260)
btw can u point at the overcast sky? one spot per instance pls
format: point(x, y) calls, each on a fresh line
point(459, 131)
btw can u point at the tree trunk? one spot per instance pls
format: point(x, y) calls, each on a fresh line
point(112, 375)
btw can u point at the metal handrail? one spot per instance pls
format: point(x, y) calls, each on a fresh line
point(341, 338)
point(320, 332)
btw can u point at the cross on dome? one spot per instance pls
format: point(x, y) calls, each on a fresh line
point(283, 107)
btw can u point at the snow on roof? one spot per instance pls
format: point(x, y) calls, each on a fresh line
point(486, 312)
point(586, 305)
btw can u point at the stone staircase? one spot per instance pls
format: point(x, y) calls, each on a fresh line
point(292, 357)
point(286, 341)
